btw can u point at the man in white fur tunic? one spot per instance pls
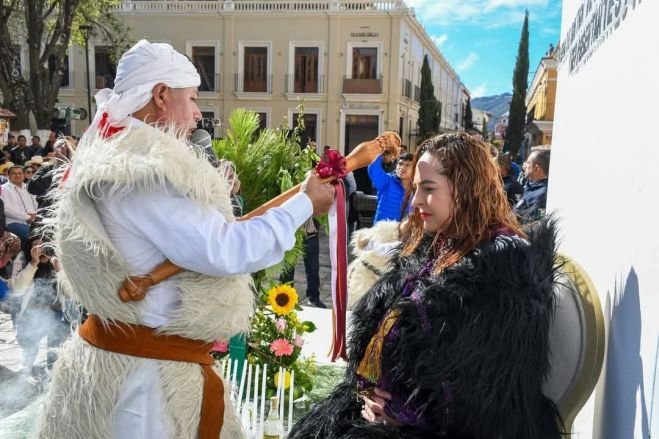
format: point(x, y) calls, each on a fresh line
point(134, 196)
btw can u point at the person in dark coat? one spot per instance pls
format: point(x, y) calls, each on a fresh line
point(511, 186)
point(533, 203)
point(453, 341)
point(41, 182)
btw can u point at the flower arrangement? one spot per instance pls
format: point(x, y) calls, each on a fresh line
point(276, 339)
point(269, 162)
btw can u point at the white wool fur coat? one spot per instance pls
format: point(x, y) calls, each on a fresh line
point(372, 249)
point(86, 381)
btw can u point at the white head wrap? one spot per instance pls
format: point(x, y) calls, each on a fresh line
point(139, 70)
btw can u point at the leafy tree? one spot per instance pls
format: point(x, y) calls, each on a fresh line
point(485, 132)
point(516, 123)
point(429, 112)
point(468, 116)
point(48, 27)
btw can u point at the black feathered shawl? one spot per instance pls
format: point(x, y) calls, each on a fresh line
point(478, 371)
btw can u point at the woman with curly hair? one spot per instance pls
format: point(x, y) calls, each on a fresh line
point(452, 341)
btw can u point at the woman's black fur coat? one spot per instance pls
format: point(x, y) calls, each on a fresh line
point(489, 323)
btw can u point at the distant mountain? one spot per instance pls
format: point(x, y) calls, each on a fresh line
point(496, 105)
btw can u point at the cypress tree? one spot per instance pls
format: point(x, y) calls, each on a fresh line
point(468, 117)
point(485, 133)
point(517, 120)
point(428, 122)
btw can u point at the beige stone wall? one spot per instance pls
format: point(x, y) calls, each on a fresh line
point(392, 32)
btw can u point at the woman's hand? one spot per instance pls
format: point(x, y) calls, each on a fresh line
point(36, 253)
point(373, 410)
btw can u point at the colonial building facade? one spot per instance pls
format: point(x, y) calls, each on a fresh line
point(354, 64)
point(541, 100)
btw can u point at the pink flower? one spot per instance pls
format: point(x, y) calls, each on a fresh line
point(220, 346)
point(299, 341)
point(281, 347)
point(280, 324)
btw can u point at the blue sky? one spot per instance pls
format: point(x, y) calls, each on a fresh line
point(480, 37)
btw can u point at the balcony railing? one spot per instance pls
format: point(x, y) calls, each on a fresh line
point(301, 87)
point(262, 85)
point(362, 86)
point(417, 94)
point(407, 88)
point(255, 6)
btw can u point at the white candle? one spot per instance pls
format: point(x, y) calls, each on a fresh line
point(282, 394)
point(256, 399)
point(290, 403)
point(239, 403)
point(227, 377)
point(265, 376)
point(248, 393)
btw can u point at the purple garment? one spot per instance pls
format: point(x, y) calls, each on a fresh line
point(399, 407)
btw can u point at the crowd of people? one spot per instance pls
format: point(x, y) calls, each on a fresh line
point(27, 265)
point(525, 187)
point(451, 341)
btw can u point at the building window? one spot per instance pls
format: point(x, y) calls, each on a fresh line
point(203, 58)
point(364, 62)
point(310, 132)
point(363, 74)
point(263, 121)
point(255, 70)
point(306, 70)
point(106, 69)
point(52, 59)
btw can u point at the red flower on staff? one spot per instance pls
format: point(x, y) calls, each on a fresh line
point(334, 166)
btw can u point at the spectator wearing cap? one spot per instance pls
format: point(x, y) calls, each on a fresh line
point(36, 162)
point(3, 172)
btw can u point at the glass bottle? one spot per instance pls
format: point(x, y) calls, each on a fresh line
point(272, 426)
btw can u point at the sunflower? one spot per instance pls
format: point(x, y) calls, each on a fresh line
point(283, 299)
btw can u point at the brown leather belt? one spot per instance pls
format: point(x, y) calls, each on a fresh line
point(144, 342)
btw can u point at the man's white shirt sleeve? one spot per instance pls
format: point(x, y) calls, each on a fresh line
point(202, 240)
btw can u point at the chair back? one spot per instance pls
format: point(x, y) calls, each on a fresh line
point(577, 342)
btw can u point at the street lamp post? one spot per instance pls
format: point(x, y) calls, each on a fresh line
point(87, 31)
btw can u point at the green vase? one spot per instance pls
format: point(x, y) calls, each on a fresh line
point(238, 351)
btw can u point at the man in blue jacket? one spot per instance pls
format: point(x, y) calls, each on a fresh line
point(534, 200)
point(391, 187)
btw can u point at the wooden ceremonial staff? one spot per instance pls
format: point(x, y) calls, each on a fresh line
point(135, 288)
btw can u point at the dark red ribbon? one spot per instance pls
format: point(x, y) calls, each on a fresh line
point(334, 165)
point(340, 293)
